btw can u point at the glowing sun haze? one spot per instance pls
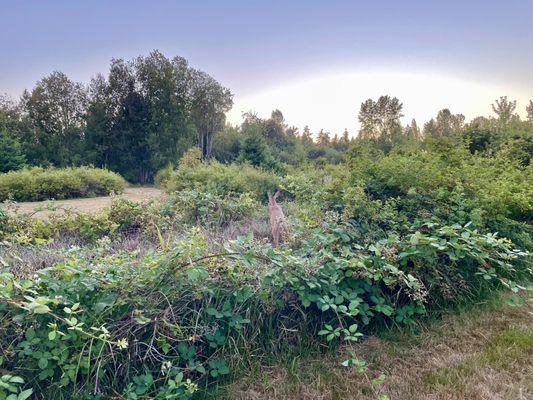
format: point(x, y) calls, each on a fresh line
point(331, 101)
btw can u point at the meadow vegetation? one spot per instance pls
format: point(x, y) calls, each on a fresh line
point(180, 297)
point(195, 295)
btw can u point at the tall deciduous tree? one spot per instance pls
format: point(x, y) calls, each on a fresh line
point(412, 131)
point(529, 109)
point(345, 139)
point(505, 109)
point(307, 138)
point(145, 114)
point(10, 115)
point(117, 122)
point(55, 108)
point(209, 103)
point(445, 124)
point(164, 84)
point(380, 119)
point(323, 138)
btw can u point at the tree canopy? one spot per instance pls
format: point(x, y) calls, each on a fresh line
point(143, 114)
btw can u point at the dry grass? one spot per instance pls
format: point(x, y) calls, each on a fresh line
point(486, 353)
point(44, 209)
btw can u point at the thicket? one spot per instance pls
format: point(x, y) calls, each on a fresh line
point(217, 178)
point(33, 184)
point(385, 239)
point(159, 327)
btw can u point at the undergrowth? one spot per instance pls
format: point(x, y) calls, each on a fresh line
point(373, 246)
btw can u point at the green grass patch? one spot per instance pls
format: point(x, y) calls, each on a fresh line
point(510, 348)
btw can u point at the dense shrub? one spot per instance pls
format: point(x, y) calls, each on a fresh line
point(217, 178)
point(157, 327)
point(121, 217)
point(382, 240)
point(43, 184)
point(125, 217)
point(214, 210)
point(442, 180)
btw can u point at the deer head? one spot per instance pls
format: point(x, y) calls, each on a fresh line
point(272, 198)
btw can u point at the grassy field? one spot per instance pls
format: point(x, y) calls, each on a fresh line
point(482, 353)
point(44, 209)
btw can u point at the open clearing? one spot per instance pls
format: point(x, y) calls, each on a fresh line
point(44, 209)
point(480, 354)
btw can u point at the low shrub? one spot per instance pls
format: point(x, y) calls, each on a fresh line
point(159, 327)
point(126, 217)
point(36, 183)
point(216, 178)
point(214, 210)
point(122, 216)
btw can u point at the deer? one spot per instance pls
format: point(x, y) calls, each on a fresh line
point(278, 224)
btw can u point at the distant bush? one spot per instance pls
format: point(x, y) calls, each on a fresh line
point(36, 183)
point(214, 177)
point(126, 217)
point(214, 210)
point(122, 216)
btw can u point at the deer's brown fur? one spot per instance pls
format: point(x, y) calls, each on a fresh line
point(277, 220)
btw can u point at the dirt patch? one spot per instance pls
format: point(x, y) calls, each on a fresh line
point(44, 209)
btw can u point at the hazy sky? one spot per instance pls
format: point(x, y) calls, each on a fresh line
point(315, 60)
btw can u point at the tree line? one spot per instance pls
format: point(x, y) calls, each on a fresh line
point(146, 112)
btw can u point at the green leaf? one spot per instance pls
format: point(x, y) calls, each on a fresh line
point(200, 369)
point(211, 311)
point(30, 334)
point(25, 394)
point(43, 363)
point(37, 308)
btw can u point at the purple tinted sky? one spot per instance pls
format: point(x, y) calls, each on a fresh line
point(249, 45)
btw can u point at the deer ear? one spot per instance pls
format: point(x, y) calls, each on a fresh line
point(276, 194)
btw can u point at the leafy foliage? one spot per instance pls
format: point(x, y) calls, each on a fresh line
point(43, 184)
point(154, 327)
point(404, 228)
point(222, 179)
point(35, 184)
point(11, 156)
